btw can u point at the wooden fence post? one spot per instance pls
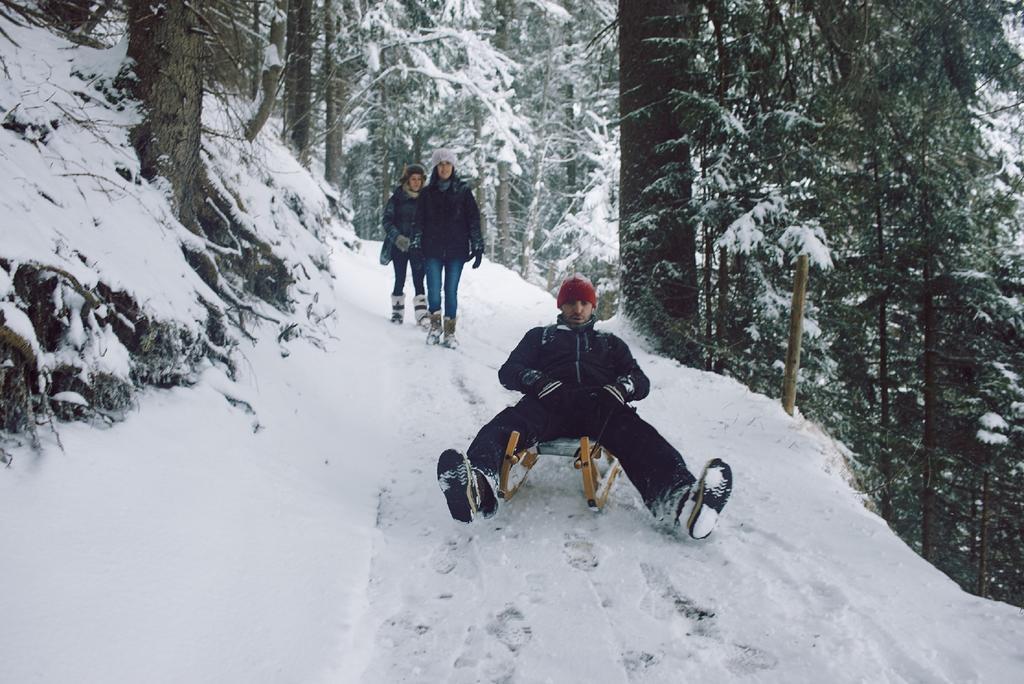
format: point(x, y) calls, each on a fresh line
point(796, 327)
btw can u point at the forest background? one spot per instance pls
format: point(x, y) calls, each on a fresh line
point(681, 153)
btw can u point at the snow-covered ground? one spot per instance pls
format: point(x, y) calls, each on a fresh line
point(304, 539)
point(186, 545)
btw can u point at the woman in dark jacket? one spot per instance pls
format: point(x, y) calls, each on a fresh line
point(399, 223)
point(448, 235)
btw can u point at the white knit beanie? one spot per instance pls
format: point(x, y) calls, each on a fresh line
point(442, 154)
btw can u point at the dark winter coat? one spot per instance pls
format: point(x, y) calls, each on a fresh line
point(584, 360)
point(447, 221)
point(579, 357)
point(399, 219)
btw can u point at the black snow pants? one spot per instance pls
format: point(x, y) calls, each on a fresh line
point(400, 260)
point(654, 467)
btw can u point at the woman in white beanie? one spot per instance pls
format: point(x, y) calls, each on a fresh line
point(448, 235)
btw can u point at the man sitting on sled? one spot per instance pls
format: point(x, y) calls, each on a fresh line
point(578, 381)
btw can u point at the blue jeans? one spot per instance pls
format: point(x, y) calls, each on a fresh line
point(452, 273)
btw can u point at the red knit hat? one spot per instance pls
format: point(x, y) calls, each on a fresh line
point(577, 287)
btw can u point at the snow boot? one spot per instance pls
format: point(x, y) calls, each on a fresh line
point(449, 334)
point(419, 308)
point(468, 491)
point(706, 499)
point(397, 309)
point(434, 334)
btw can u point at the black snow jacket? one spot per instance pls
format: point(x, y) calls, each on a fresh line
point(400, 214)
point(399, 219)
point(447, 221)
point(580, 357)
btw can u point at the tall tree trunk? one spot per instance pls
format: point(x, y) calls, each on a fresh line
point(572, 157)
point(299, 75)
point(480, 195)
point(930, 411)
point(273, 63)
point(166, 44)
point(716, 14)
point(721, 319)
point(571, 154)
point(288, 88)
point(503, 219)
point(503, 214)
point(332, 106)
point(417, 147)
point(657, 235)
point(982, 588)
point(532, 220)
point(709, 255)
point(479, 192)
point(885, 456)
point(256, 54)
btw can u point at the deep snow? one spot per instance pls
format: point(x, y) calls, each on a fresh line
point(182, 545)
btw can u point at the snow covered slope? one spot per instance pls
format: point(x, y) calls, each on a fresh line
point(308, 541)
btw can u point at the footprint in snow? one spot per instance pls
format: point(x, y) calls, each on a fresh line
point(483, 660)
point(385, 515)
point(474, 668)
point(467, 391)
point(508, 628)
point(537, 584)
point(638, 661)
point(830, 597)
point(404, 632)
point(774, 539)
point(664, 600)
point(580, 553)
point(445, 558)
point(750, 659)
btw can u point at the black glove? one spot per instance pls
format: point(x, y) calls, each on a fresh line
point(555, 396)
point(611, 398)
point(476, 251)
point(549, 389)
point(402, 243)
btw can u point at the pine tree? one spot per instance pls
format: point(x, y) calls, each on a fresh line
point(657, 232)
point(914, 175)
point(167, 46)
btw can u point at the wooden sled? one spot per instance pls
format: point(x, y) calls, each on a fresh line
point(586, 455)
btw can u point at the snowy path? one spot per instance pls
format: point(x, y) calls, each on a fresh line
point(549, 591)
point(183, 545)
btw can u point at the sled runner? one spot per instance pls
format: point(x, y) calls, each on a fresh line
point(586, 455)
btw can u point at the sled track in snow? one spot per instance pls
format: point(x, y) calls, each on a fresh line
point(545, 587)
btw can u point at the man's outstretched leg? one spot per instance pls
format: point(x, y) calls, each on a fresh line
point(469, 482)
point(658, 471)
point(468, 491)
point(700, 510)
